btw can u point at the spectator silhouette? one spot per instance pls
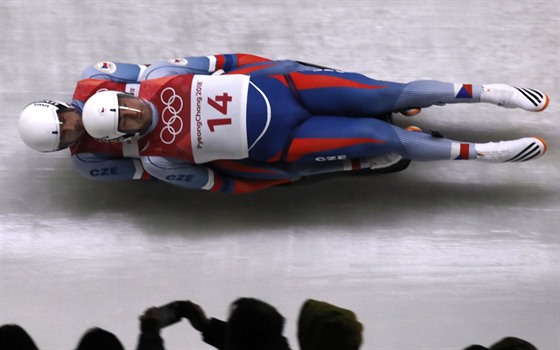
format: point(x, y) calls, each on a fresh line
point(323, 326)
point(97, 339)
point(507, 343)
point(14, 337)
point(512, 343)
point(252, 325)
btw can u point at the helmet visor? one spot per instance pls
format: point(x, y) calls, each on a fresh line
point(135, 115)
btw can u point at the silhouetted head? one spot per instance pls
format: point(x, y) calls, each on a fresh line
point(97, 338)
point(323, 326)
point(13, 337)
point(512, 343)
point(254, 325)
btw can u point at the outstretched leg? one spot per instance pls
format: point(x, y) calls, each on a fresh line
point(431, 92)
point(424, 147)
point(334, 138)
point(353, 94)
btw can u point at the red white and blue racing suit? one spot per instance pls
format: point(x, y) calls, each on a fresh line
point(239, 133)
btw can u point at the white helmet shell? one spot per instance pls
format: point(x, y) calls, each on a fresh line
point(101, 117)
point(39, 126)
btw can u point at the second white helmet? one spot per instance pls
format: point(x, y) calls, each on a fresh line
point(39, 125)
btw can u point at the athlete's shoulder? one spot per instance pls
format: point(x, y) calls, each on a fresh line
point(179, 65)
point(114, 71)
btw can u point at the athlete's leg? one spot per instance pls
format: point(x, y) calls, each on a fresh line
point(251, 169)
point(274, 67)
point(294, 134)
point(353, 94)
point(327, 138)
point(440, 93)
point(334, 138)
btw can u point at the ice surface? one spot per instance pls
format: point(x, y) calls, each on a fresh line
point(440, 256)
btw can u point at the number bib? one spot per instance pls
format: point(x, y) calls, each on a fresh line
point(219, 117)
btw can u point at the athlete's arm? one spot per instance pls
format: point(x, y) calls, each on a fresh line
point(196, 176)
point(103, 168)
point(202, 65)
point(114, 71)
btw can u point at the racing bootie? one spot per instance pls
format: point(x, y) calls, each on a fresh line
point(521, 150)
point(513, 97)
point(409, 112)
point(414, 128)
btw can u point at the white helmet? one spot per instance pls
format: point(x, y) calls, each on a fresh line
point(39, 126)
point(101, 117)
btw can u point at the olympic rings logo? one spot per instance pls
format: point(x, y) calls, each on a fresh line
point(170, 115)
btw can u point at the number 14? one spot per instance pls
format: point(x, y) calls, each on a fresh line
point(220, 103)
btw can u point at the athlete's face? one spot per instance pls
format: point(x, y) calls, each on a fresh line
point(134, 114)
point(71, 127)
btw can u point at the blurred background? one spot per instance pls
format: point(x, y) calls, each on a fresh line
point(440, 256)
